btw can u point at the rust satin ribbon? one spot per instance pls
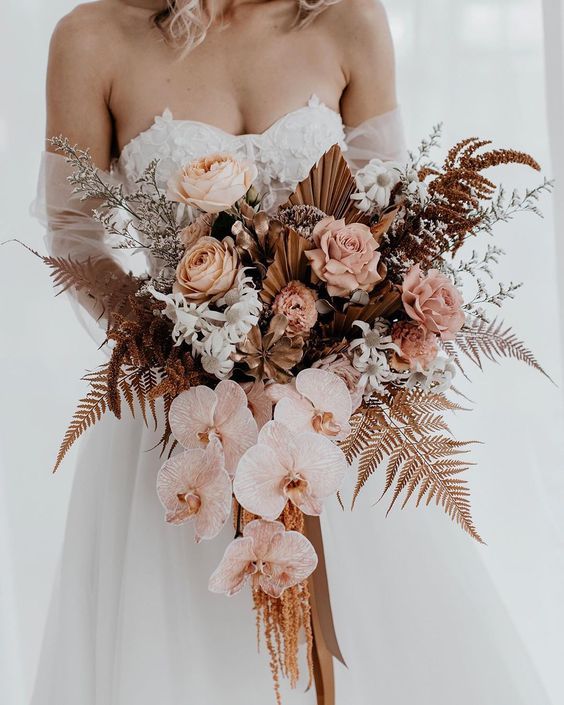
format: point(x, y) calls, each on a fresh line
point(326, 645)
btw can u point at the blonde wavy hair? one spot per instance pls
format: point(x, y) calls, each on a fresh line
point(185, 22)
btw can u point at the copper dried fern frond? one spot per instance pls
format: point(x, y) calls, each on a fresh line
point(90, 410)
point(131, 384)
point(492, 341)
point(408, 434)
point(107, 285)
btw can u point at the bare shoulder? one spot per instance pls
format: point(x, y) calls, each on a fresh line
point(90, 22)
point(360, 32)
point(93, 30)
point(359, 26)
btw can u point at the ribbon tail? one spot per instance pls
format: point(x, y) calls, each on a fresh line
point(321, 601)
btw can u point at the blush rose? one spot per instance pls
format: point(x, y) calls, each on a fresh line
point(208, 270)
point(433, 300)
point(213, 183)
point(346, 256)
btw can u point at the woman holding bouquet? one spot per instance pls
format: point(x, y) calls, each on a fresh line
point(276, 83)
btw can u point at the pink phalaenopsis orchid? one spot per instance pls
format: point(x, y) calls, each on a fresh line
point(273, 558)
point(304, 468)
point(259, 401)
point(194, 485)
point(318, 401)
point(200, 414)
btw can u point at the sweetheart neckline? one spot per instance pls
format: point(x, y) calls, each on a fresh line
point(313, 103)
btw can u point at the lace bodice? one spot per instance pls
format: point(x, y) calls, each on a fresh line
point(284, 153)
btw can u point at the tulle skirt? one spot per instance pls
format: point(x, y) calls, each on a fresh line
point(132, 622)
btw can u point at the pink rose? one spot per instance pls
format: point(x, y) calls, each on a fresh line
point(212, 183)
point(208, 270)
point(434, 301)
point(297, 303)
point(346, 257)
point(419, 347)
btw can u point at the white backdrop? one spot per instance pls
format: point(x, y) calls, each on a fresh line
point(478, 66)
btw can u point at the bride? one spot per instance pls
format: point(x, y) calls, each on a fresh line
point(131, 620)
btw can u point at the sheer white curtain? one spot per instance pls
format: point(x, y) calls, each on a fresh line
point(477, 65)
point(553, 11)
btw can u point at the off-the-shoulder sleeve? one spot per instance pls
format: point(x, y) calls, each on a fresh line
point(381, 136)
point(72, 233)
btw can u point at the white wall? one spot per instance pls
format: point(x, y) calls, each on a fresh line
point(474, 64)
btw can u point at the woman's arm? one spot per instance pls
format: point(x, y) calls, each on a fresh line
point(79, 81)
point(78, 90)
point(368, 61)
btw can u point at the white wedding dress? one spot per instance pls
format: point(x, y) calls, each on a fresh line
point(132, 621)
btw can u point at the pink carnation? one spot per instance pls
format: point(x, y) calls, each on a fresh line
point(434, 301)
point(297, 303)
point(419, 347)
point(346, 257)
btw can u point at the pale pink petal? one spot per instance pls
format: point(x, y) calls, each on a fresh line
point(215, 490)
point(258, 483)
point(234, 422)
point(295, 412)
point(276, 391)
point(230, 398)
point(191, 414)
point(311, 505)
point(322, 464)
point(258, 401)
point(178, 476)
point(291, 560)
point(235, 567)
point(281, 440)
point(328, 393)
point(262, 532)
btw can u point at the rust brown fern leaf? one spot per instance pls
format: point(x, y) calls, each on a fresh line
point(406, 435)
point(492, 341)
point(90, 410)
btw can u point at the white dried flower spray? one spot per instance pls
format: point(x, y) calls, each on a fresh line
point(374, 338)
point(189, 319)
point(375, 183)
point(215, 351)
point(375, 372)
point(438, 378)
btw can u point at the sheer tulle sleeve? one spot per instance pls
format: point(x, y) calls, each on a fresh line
point(71, 232)
point(381, 136)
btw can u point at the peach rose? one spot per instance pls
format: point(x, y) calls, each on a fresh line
point(212, 183)
point(434, 301)
point(208, 270)
point(419, 347)
point(346, 257)
point(200, 228)
point(297, 303)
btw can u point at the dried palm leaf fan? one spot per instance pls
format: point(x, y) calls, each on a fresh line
point(329, 186)
point(289, 264)
point(384, 303)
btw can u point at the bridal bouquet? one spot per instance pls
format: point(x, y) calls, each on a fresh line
point(294, 348)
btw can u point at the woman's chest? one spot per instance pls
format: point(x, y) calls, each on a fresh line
point(239, 81)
